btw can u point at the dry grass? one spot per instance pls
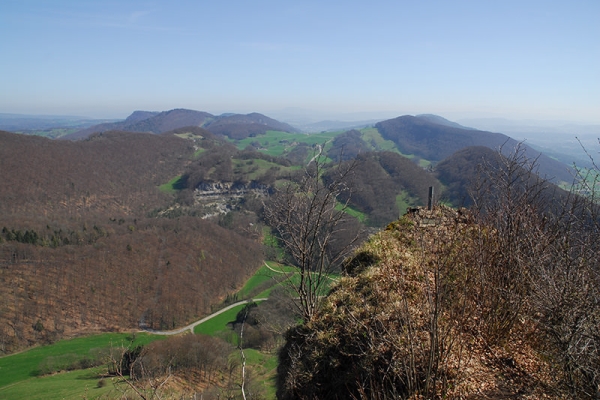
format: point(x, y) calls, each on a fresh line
point(411, 325)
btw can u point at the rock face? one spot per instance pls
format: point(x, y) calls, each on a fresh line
point(222, 197)
point(207, 189)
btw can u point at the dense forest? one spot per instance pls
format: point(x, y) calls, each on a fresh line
point(78, 251)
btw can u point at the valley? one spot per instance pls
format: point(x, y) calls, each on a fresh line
point(159, 225)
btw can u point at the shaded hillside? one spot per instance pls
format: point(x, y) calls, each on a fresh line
point(434, 142)
point(385, 183)
point(468, 170)
point(239, 126)
point(347, 145)
point(78, 251)
point(172, 119)
point(436, 119)
point(140, 116)
point(235, 126)
point(152, 122)
point(461, 171)
point(112, 173)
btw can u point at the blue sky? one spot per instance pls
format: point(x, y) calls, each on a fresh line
point(514, 59)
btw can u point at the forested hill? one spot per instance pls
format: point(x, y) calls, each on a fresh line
point(236, 126)
point(435, 141)
point(116, 172)
point(82, 250)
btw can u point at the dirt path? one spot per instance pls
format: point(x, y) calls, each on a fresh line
point(194, 324)
point(274, 270)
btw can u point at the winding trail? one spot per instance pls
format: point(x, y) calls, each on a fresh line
point(191, 326)
point(200, 321)
point(274, 270)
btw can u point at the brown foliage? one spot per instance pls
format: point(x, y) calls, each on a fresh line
point(499, 302)
point(78, 252)
point(109, 174)
point(154, 273)
point(380, 178)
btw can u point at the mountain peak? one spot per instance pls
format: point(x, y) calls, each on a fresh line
point(139, 115)
point(436, 119)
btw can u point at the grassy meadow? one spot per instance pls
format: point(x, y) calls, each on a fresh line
point(20, 373)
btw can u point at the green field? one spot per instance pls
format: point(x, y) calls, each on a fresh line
point(276, 143)
point(68, 385)
point(264, 367)
point(255, 168)
point(372, 137)
point(359, 215)
point(173, 185)
point(20, 373)
point(217, 326)
point(265, 280)
point(23, 368)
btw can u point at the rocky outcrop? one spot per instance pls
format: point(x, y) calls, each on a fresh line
point(222, 197)
point(235, 189)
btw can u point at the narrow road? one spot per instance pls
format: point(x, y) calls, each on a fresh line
point(274, 270)
point(194, 324)
point(317, 154)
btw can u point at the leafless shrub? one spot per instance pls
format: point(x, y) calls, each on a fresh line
point(426, 299)
point(544, 267)
point(308, 220)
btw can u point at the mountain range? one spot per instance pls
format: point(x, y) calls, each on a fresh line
point(236, 126)
point(435, 138)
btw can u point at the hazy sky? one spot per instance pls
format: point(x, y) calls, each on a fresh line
point(515, 59)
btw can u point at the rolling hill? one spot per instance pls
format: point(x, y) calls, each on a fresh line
point(437, 140)
point(235, 126)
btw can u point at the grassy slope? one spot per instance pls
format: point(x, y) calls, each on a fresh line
point(21, 368)
point(218, 325)
point(68, 385)
point(372, 137)
point(266, 279)
point(277, 143)
point(255, 168)
point(171, 186)
point(264, 367)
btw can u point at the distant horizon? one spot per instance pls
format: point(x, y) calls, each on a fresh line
point(462, 59)
point(311, 116)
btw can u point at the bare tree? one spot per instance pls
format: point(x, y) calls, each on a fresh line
point(121, 364)
point(310, 221)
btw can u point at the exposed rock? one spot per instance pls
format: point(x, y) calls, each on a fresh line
point(222, 197)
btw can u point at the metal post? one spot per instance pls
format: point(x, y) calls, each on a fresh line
point(430, 201)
